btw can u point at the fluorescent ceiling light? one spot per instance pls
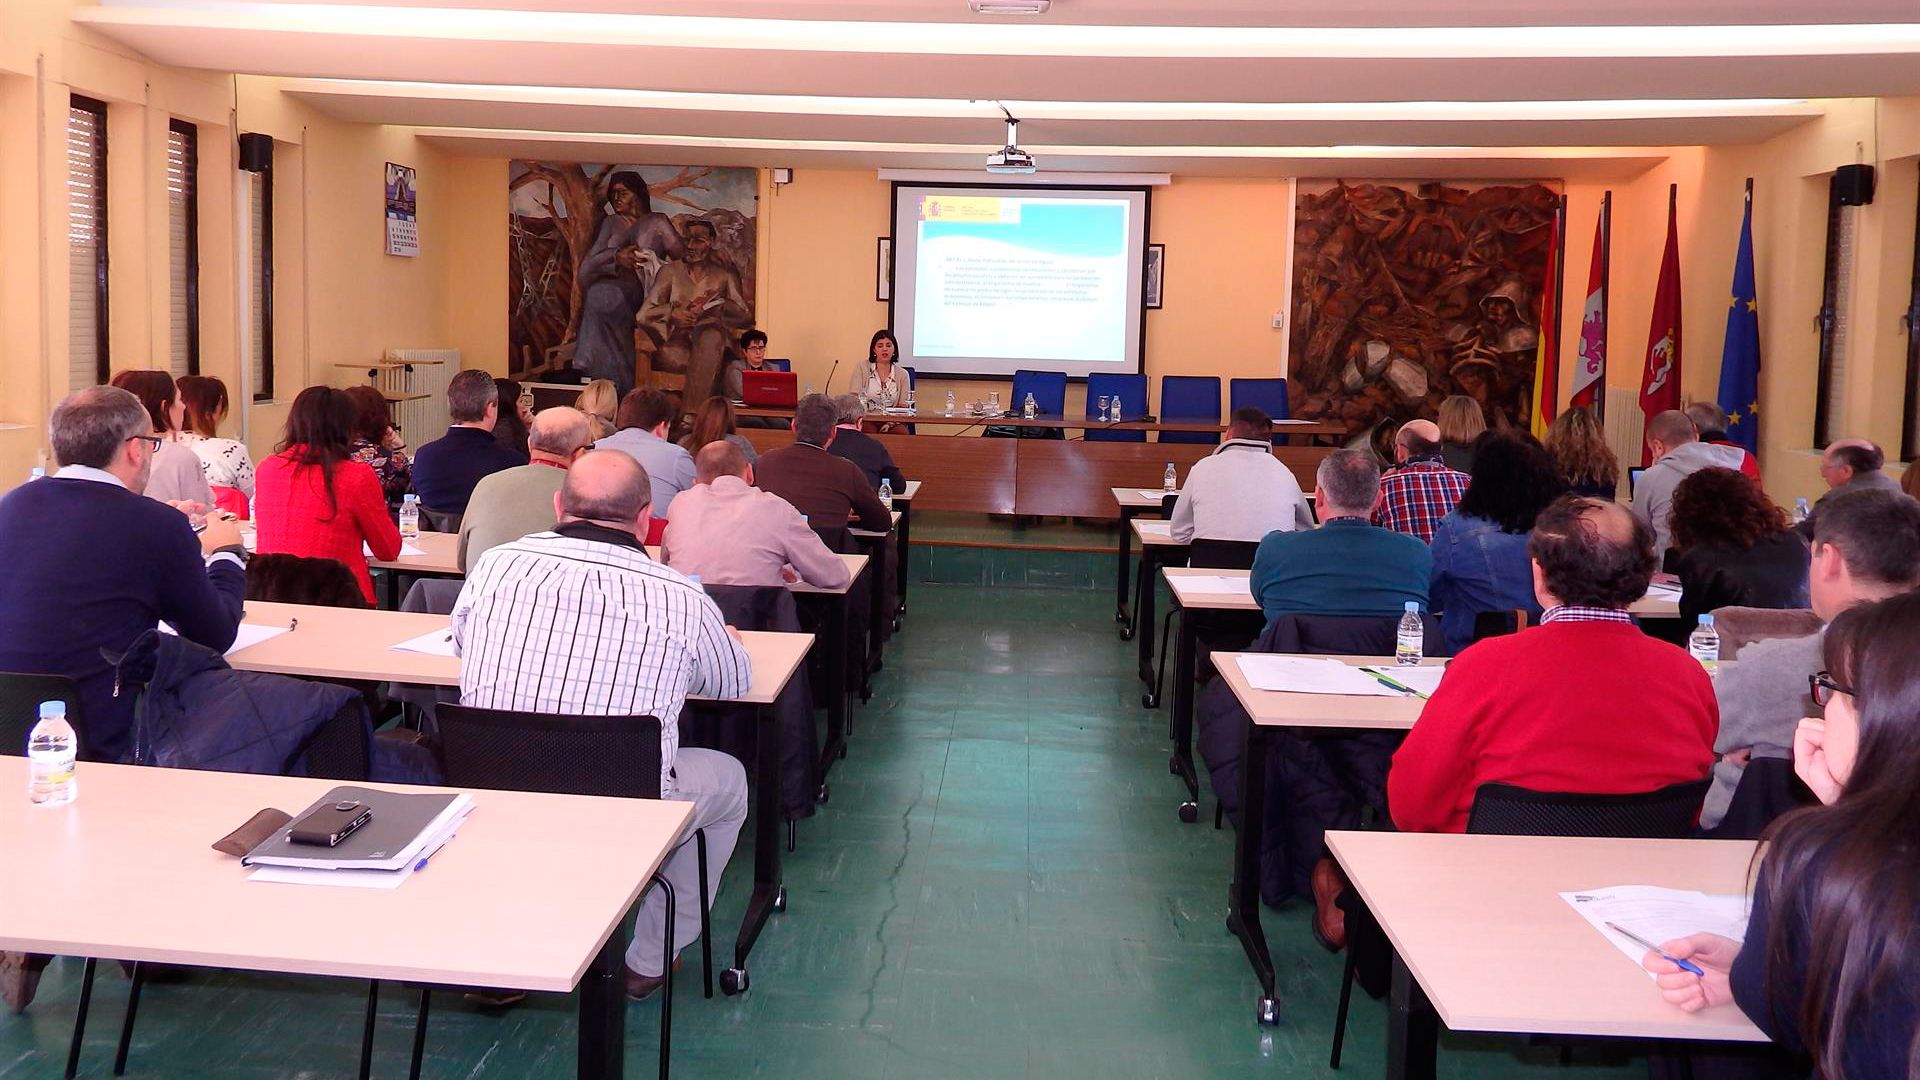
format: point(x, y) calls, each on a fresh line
point(1023, 39)
point(949, 108)
point(1010, 7)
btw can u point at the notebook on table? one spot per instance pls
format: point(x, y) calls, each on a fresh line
point(402, 825)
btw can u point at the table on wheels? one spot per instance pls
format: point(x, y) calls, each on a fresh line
point(143, 885)
point(348, 643)
point(1482, 940)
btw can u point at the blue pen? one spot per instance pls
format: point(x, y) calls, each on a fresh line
point(1684, 965)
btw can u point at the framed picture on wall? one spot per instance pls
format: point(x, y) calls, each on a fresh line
point(1156, 271)
point(883, 269)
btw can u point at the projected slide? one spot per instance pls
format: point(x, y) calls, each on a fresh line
point(989, 281)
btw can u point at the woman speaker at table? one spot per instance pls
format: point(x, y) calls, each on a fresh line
point(879, 381)
point(1831, 962)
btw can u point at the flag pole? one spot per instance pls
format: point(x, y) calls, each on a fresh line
point(1559, 298)
point(1606, 288)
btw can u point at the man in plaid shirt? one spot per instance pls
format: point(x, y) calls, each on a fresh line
point(1421, 489)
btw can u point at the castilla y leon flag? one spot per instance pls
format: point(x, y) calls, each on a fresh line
point(1546, 363)
point(1590, 374)
point(1660, 382)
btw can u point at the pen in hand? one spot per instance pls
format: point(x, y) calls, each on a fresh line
point(1683, 965)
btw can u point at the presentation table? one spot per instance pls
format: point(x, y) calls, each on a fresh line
point(137, 880)
point(1269, 712)
point(1482, 940)
point(357, 644)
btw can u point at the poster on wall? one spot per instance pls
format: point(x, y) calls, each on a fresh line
point(403, 223)
point(1404, 294)
point(642, 274)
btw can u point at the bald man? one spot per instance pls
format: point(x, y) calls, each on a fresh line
point(511, 503)
point(1677, 454)
point(1421, 489)
point(579, 621)
point(728, 532)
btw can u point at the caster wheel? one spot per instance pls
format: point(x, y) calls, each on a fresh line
point(1126, 633)
point(823, 795)
point(1150, 701)
point(780, 899)
point(1173, 768)
point(733, 981)
point(843, 753)
point(1120, 617)
point(896, 623)
point(1189, 812)
point(1268, 1012)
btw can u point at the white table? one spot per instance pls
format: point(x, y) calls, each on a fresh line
point(136, 883)
point(1482, 938)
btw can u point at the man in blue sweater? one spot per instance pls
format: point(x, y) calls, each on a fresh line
point(446, 469)
point(1347, 566)
point(92, 564)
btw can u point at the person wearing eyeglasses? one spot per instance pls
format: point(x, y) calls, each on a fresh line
point(1866, 547)
point(1830, 964)
point(91, 566)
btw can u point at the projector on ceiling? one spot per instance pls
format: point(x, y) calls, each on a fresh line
point(1011, 160)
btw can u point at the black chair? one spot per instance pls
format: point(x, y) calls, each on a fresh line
point(1767, 789)
point(1211, 555)
point(440, 520)
point(617, 756)
point(1507, 810)
point(298, 579)
point(1500, 623)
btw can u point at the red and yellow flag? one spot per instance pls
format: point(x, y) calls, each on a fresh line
point(1546, 364)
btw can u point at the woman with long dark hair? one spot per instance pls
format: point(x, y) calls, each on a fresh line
point(225, 461)
point(177, 474)
point(615, 275)
point(1480, 560)
point(516, 416)
point(1736, 549)
point(1831, 962)
point(377, 444)
point(311, 498)
point(713, 422)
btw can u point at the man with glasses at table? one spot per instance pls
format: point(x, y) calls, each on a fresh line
point(91, 565)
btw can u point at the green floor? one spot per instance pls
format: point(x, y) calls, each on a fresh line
point(999, 887)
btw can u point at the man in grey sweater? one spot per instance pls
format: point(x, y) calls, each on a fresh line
point(509, 504)
point(1866, 547)
point(1677, 454)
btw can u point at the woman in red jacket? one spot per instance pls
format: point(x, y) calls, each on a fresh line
point(311, 498)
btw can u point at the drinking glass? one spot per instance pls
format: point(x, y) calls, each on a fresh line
point(1103, 406)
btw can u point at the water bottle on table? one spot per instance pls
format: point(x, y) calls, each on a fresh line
point(1170, 480)
point(1410, 644)
point(1115, 414)
point(886, 493)
point(410, 518)
point(1029, 408)
point(1704, 645)
point(1801, 511)
point(51, 752)
point(949, 403)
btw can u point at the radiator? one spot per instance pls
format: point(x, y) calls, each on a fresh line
point(415, 382)
point(1626, 426)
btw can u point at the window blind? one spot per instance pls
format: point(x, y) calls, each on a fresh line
point(260, 282)
point(87, 362)
point(183, 248)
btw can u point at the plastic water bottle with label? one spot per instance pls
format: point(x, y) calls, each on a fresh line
point(410, 518)
point(886, 493)
point(1704, 645)
point(1115, 414)
point(949, 403)
point(51, 752)
point(1801, 511)
point(1170, 480)
point(1410, 644)
point(1029, 408)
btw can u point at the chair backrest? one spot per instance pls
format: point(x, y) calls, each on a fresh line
point(1507, 810)
point(1740, 627)
point(1222, 554)
point(1193, 399)
point(298, 579)
point(230, 499)
point(1132, 392)
point(1049, 390)
point(838, 538)
point(568, 755)
point(339, 749)
point(1167, 503)
point(1348, 635)
point(778, 365)
point(445, 521)
point(1268, 395)
point(756, 607)
point(1500, 623)
point(20, 698)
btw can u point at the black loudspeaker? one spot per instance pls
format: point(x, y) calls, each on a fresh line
point(256, 152)
point(1853, 185)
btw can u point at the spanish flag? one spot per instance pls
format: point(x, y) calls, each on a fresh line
point(1546, 365)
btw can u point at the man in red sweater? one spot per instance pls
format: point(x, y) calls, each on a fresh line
point(1583, 703)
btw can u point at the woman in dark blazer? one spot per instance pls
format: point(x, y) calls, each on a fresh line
point(1736, 549)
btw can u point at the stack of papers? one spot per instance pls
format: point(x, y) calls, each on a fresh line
point(1659, 591)
point(1154, 528)
point(406, 550)
point(1310, 675)
point(1421, 680)
point(1212, 584)
point(1658, 915)
point(277, 861)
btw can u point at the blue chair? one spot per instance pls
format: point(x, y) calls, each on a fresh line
point(1049, 390)
point(1132, 392)
point(1267, 395)
point(1193, 399)
point(779, 365)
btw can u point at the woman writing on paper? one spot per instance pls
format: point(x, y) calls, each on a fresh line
point(1831, 962)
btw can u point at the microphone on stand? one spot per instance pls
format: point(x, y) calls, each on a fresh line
point(830, 374)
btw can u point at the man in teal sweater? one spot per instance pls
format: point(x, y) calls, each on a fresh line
point(1348, 566)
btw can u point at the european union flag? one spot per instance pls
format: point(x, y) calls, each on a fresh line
point(1740, 356)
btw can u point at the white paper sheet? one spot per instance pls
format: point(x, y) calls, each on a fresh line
point(437, 643)
point(1155, 493)
point(1215, 585)
point(1663, 592)
point(406, 550)
point(243, 636)
point(1424, 680)
point(249, 540)
point(1659, 915)
point(1154, 528)
point(1309, 675)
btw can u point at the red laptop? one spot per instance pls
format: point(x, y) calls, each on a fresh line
point(770, 389)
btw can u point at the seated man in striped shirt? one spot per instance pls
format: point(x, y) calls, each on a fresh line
point(580, 621)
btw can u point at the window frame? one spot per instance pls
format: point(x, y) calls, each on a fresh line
point(191, 131)
point(263, 386)
point(103, 360)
